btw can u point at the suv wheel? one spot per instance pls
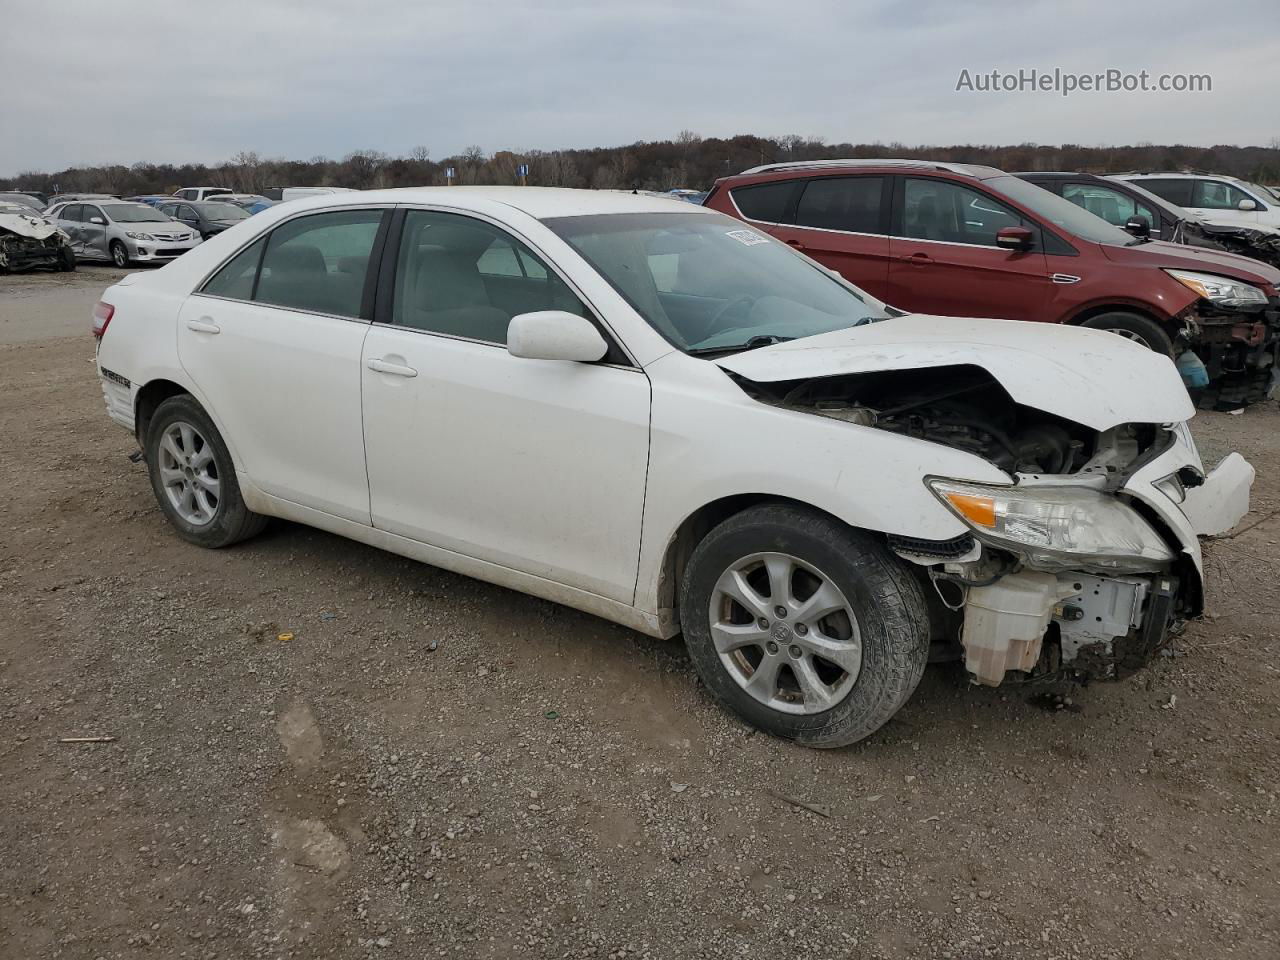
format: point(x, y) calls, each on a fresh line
point(802, 626)
point(1133, 326)
point(193, 477)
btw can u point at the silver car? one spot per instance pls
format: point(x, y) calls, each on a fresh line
point(122, 232)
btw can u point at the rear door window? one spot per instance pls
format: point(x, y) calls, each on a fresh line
point(1176, 191)
point(319, 262)
point(850, 204)
point(236, 278)
point(73, 212)
point(766, 202)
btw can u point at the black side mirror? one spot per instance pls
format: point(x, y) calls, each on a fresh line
point(1138, 226)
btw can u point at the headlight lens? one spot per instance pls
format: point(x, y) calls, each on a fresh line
point(1056, 528)
point(1220, 290)
point(134, 235)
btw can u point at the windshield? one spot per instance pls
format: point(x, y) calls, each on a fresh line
point(133, 213)
point(707, 283)
point(222, 211)
point(1061, 213)
point(1266, 193)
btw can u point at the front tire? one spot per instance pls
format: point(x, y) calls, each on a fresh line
point(119, 255)
point(66, 260)
point(804, 627)
point(193, 477)
point(1134, 326)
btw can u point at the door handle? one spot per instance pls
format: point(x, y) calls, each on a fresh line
point(798, 244)
point(920, 259)
point(378, 365)
point(203, 325)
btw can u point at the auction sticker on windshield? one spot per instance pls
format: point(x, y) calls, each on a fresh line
point(748, 238)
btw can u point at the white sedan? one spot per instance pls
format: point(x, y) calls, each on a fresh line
point(648, 411)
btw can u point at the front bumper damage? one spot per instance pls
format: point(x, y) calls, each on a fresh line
point(27, 242)
point(1238, 348)
point(1039, 624)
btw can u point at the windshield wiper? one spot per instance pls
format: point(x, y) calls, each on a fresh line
point(763, 340)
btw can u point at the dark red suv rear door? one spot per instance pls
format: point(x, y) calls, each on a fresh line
point(843, 223)
point(944, 258)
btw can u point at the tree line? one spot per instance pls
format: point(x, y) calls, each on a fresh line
point(688, 160)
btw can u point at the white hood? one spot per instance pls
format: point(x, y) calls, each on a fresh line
point(1091, 377)
point(35, 227)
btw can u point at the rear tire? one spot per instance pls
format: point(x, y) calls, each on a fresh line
point(194, 478)
point(119, 255)
point(822, 680)
point(1135, 327)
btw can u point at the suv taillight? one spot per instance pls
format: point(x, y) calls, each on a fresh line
point(102, 314)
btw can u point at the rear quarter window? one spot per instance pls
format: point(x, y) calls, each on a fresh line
point(766, 202)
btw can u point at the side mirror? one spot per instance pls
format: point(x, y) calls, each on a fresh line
point(1138, 226)
point(98, 220)
point(554, 335)
point(1014, 238)
point(1246, 204)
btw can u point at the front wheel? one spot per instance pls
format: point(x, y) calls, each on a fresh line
point(804, 627)
point(1133, 326)
point(119, 255)
point(193, 477)
point(66, 259)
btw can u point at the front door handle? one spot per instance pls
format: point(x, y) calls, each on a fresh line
point(378, 365)
point(203, 325)
point(798, 244)
point(919, 259)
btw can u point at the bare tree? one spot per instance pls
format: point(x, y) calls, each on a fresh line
point(420, 154)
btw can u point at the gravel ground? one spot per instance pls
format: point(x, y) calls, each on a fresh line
point(322, 750)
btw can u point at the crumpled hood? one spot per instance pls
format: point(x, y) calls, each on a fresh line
point(24, 226)
point(1091, 377)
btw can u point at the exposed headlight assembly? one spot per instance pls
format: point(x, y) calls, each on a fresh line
point(1056, 528)
point(1220, 290)
point(132, 235)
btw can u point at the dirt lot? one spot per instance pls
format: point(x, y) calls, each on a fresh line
point(432, 766)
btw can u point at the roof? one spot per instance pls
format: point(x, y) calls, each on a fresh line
point(978, 171)
point(538, 202)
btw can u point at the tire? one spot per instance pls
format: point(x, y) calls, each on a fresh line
point(1135, 327)
point(884, 617)
point(185, 451)
point(119, 255)
point(66, 260)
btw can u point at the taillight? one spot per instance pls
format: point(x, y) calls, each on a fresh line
point(102, 314)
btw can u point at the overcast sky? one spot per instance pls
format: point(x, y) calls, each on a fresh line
point(175, 80)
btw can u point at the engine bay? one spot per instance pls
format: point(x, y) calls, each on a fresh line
point(963, 407)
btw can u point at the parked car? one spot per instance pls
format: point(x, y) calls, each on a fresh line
point(1125, 204)
point(659, 415)
point(28, 240)
point(23, 200)
point(123, 233)
point(61, 198)
point(200, 193)
point(150, 199)
point(964, 240)
point(208, 218)
point(251, 202)
point(1219, 199)
point(39, 196)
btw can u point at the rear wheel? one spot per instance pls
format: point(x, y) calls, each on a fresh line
point(193, 477)
point(804, 627)
point(1134, 326)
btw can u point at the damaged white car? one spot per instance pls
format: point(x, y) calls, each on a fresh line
point(28, 240)
point(650, 412)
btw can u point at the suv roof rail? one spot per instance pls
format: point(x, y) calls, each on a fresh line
point(967, 169)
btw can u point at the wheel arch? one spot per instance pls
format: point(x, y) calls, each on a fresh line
point(693, 528)
point(148, 398)
point(1116, 306)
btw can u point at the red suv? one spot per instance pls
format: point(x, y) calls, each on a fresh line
point(963, 240)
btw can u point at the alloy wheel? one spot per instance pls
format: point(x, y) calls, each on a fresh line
point(785, 633)
point(1130, 335)
point(119, 256)
point(189, 473)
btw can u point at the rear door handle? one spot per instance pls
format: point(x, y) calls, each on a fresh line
point(203, 325)
point(919, 258)
point(798, 244)
point(378, 365)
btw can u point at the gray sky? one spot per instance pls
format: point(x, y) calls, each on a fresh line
point(176, 80)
